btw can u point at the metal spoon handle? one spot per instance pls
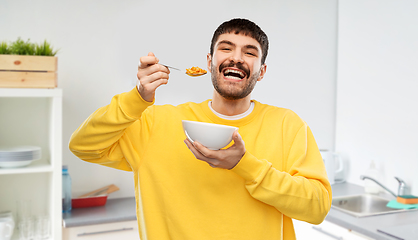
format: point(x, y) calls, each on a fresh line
point(170, 67)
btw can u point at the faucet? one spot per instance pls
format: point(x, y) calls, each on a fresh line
point(402, 190)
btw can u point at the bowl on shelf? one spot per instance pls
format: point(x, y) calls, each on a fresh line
point(210, 135)
point(20, 156)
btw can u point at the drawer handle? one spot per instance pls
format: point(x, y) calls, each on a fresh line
point(327, 233)
point(104, 232)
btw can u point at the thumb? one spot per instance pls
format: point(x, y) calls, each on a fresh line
point(151, 54)
point(237, 138)
point(239, 144)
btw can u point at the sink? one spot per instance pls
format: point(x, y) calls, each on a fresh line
point(363, 205)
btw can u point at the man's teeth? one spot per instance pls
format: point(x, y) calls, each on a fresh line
point(234, 74)
point(233, 77)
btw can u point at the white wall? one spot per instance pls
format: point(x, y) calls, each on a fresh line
point(100, 43)
point(377, 97)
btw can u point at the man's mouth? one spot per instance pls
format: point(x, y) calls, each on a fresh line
point(234, 74)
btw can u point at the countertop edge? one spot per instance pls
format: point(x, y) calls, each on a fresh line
point(353, 227)
point(82, 223)
point(115, 210)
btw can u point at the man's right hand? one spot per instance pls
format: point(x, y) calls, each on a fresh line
point(150, 75)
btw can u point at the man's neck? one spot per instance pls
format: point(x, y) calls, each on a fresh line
point(230, 107)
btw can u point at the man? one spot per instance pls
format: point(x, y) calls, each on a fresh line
point(272, 172)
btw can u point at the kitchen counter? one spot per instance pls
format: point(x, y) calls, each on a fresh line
point(368, 226)
point(115, 210)
point(123, 209)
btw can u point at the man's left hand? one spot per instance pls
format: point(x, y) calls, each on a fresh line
point(223, 158)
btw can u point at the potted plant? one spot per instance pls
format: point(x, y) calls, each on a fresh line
point(27, 65)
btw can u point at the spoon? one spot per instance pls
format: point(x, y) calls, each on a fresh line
point(190, 74)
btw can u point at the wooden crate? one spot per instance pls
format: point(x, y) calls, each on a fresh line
point(22, 71)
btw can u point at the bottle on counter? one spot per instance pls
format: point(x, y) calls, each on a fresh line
point(370, 186)
point(66, 190)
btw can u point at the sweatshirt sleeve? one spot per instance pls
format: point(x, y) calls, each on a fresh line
point(301, 190)
point(104, 137)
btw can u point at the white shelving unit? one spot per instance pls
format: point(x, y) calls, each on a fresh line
point(33, 117)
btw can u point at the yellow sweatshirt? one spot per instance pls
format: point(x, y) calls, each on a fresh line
point(280, 177)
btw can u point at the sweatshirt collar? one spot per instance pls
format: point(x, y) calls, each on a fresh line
point(234, 117)
point(234, 122)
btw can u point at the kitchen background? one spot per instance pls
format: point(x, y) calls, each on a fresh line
point(348, 68)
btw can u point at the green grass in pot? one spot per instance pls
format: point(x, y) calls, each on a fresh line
point(4, 48)
point(45, 49)
point(20, 47)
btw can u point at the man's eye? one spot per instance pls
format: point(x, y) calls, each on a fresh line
point(250, 53)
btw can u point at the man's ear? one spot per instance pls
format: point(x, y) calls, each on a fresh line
point(263, 70)
point(209, 61)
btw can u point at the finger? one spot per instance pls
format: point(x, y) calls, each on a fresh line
point(150, 75)
point(146, 71)
point(204, 150)
point(193, 149)
point(155, 84)
point(159, 68)
point(148, 60)
point(165, 67)
point(155, 76)
point(198, 154)
point(187, 142)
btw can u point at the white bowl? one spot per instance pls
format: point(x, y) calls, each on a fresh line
point(210, 135)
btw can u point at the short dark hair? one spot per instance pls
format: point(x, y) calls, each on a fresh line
point(245, 27)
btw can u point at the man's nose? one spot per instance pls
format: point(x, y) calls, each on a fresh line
point(237, 57)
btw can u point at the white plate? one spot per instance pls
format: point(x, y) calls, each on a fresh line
point(15, 164)
point(19, 153)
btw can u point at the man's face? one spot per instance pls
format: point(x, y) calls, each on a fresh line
point(235, 65)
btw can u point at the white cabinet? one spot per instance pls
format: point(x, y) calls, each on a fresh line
point(306, 231)
point(33, 117)
point(109, 231)
point(325, 231)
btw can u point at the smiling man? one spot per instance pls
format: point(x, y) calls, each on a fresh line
point(240, 66)
point(270, 173)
